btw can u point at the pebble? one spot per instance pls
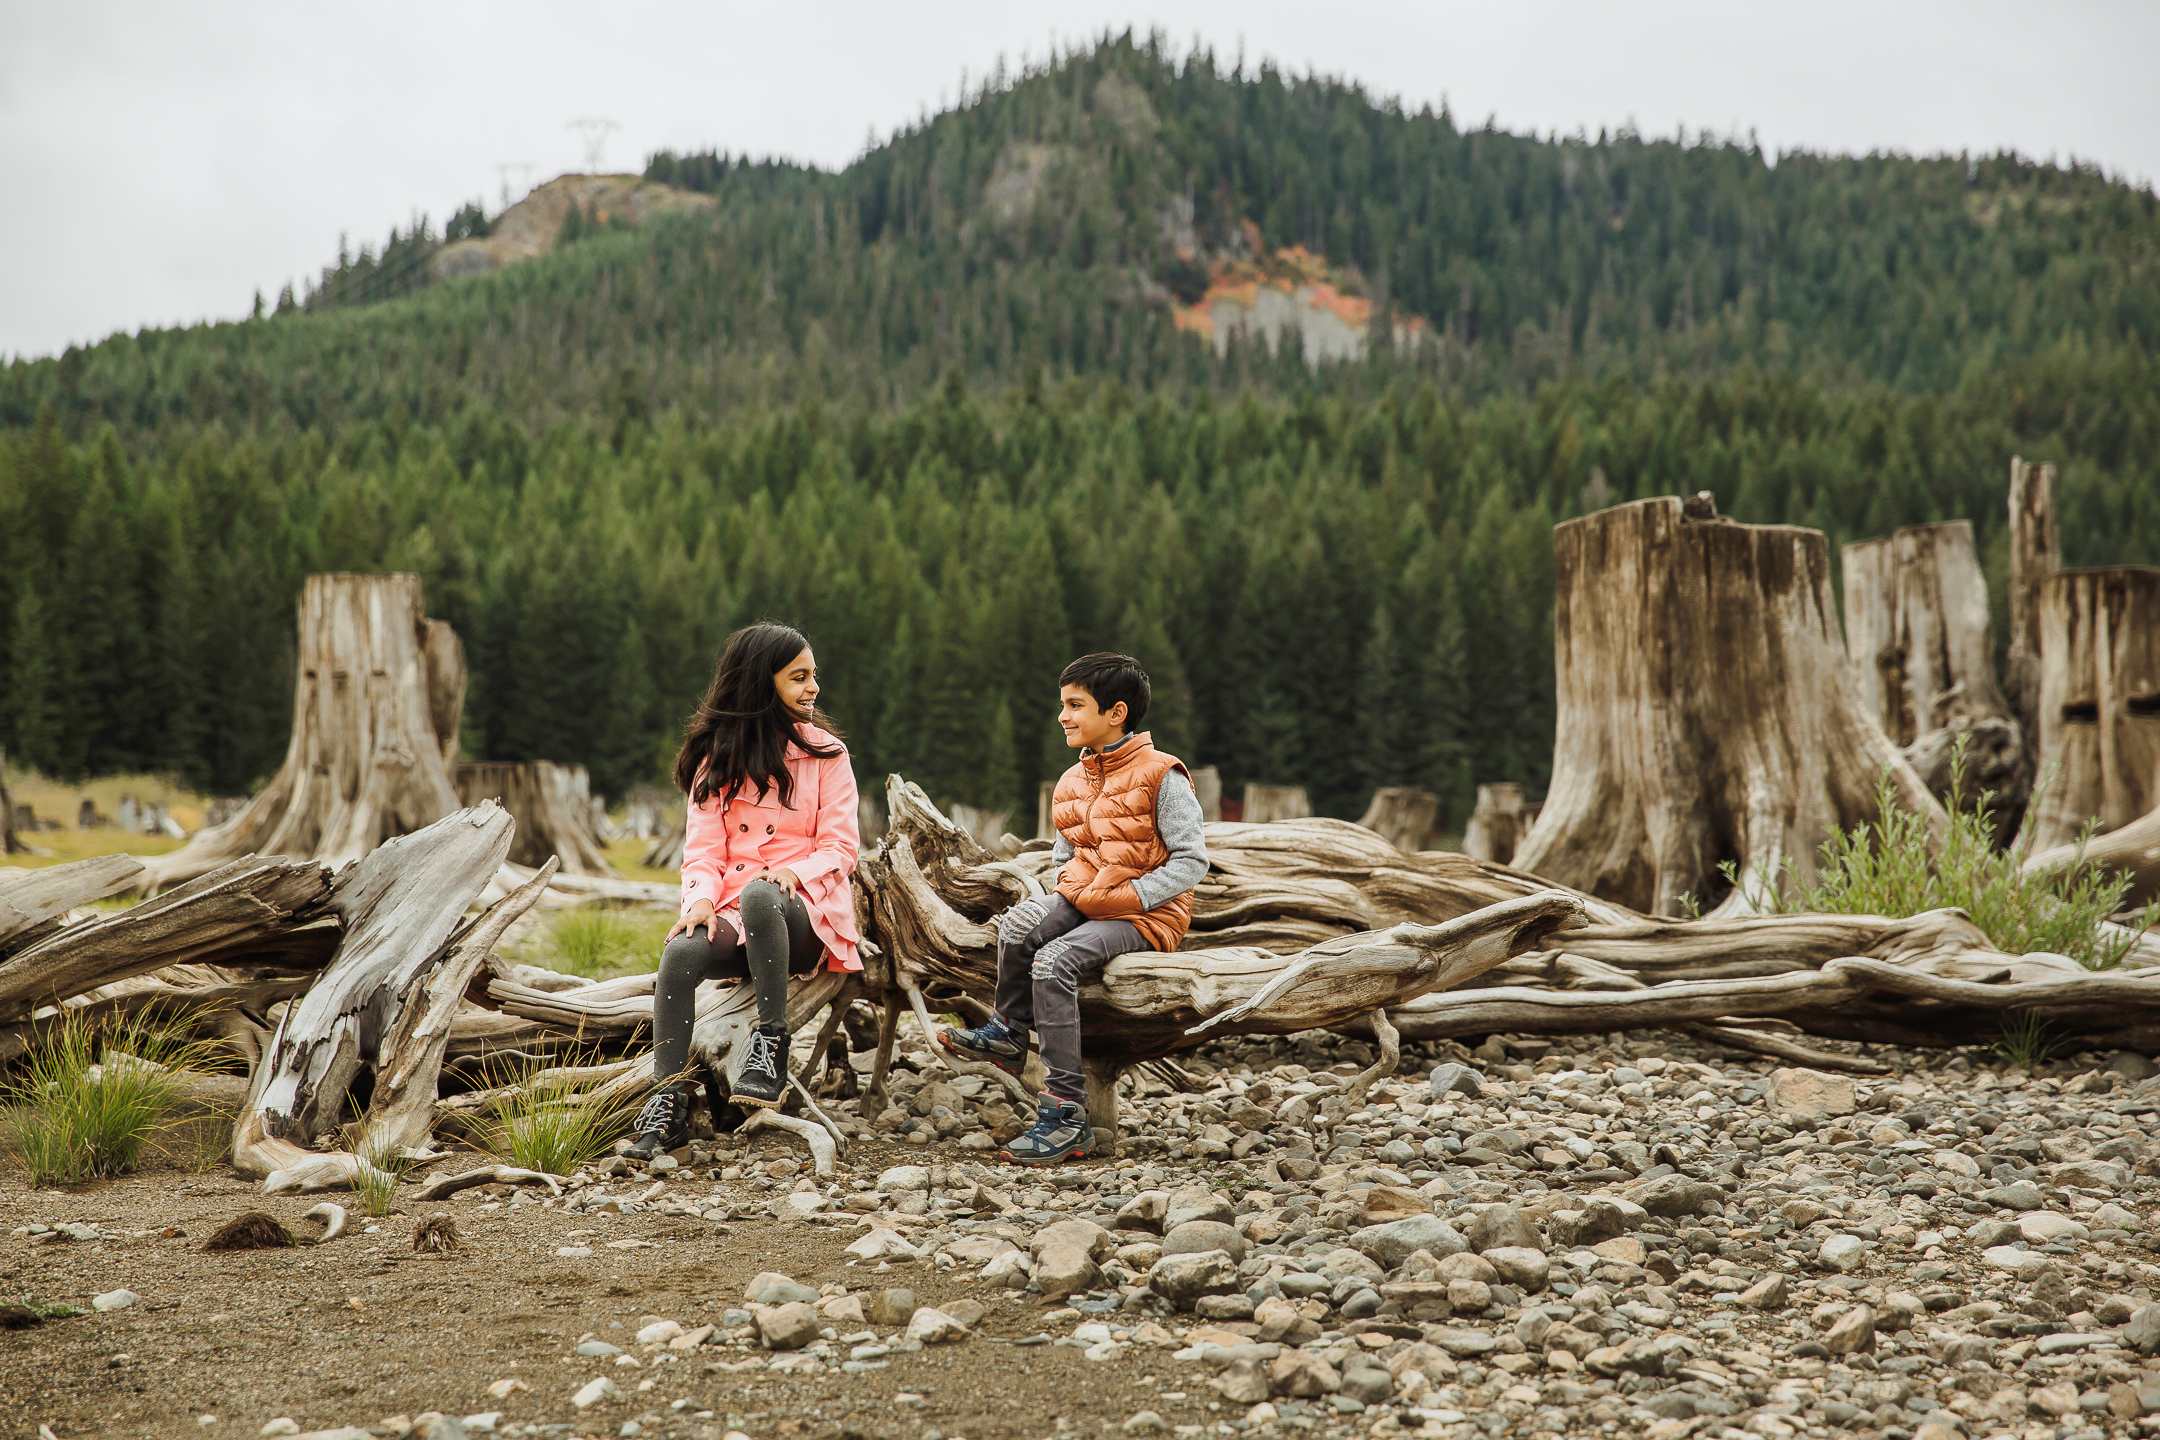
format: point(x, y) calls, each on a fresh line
point(115, 1300)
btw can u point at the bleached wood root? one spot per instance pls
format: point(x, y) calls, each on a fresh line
point(400, 905)
point(33, 902)
point(249, 906)
point(1755, 1042)
point(823, 1152)
point(953, 1062)
point(444, 1186)
point(1390, 1056)
point(333, 1218)
point(2133, 850)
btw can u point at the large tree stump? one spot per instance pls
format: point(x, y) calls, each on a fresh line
point(2099, 702)
point(552, 805)
point(1706, 714)
point(1923, 659)
point(374, 716)
point(1402, 816)
point(2035, 555)
point(1497, 826)
point(1265, 804)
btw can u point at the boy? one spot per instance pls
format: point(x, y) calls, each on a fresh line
point(1130, 847)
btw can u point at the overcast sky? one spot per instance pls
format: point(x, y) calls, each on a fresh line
point(161, 162)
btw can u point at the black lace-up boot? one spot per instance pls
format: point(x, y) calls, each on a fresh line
point(664, 1123)
point(764, 1077)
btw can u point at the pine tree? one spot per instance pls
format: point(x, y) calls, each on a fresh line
point(34, 718)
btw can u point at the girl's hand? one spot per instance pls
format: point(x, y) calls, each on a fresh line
point(785, 879)
point(699, 913)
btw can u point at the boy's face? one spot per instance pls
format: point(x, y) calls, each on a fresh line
point(1086, 727)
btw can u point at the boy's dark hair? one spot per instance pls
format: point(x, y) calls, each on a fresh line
point(1111, 677)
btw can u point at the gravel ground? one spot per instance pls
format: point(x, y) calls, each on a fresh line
point(1606, 1236)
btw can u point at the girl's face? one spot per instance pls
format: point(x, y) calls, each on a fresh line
point(797, 683)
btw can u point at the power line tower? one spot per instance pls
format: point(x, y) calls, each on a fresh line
point(523, 169)
point(594, 132)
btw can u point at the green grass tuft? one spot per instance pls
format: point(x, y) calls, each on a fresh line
point(2028, 1041)
point(544, 1120)
point(90, 1097)
point(1894, 867)
point(595, 943)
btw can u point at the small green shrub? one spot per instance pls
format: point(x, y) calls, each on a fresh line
point(2028, 1041)
point(1894, 867)
point(544, 1120)
point(91, 1097)
point(594, 943)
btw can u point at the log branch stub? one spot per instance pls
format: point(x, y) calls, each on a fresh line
point(1705, 712)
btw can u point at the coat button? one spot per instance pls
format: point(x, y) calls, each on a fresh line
point(738, 867)
point(746, 829)
point(768, 829)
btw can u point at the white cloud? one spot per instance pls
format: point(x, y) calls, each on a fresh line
point(160, 163)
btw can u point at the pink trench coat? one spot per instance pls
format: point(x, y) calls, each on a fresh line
point(724, 848)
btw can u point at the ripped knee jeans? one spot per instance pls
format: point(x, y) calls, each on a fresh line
point(1047, 950)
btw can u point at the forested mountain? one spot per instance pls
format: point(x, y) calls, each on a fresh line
point(934, 409)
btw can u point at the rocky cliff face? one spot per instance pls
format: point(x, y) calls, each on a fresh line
point(530, 227)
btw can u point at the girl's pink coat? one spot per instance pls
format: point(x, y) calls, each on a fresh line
point(725, 847)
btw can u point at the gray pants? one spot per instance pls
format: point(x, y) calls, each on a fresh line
point(781, 943)
point(1046, 950)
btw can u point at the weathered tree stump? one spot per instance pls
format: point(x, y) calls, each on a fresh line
point(376, 701)
point(1265, 804)
point(1706, 714)
point(2099, 702)
point(1402, 816)
point(552, 805)
point(1923, 659)
point(2035, 555)
point(1498, 824)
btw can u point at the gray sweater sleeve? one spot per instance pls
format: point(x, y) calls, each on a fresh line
point(1183, 830)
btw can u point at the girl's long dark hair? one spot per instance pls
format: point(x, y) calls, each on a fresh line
point(740, 735)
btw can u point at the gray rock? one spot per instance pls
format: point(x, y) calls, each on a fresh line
point(1064, 1269)
point(1225, 1307)
point(115, 1300)
point(779, 1290)
point(1370, 1384)
point(1767, 1293)
point(1196, 1237)
point(1192, 1202)
point(597, 1349)
point(1601, 1218)
point(2021, 1195)
point(1363, 1305)
point(1147, 1422)
point(2130, 1065)
point(1391, 1244)
point(1676, 1195)
point(1852, 1331)
point(1304, 1287)
point(904, 1177)
point(2143, 1331)
point(788, 1327)
point(1526, 1269)
point(891, 1309)
point(1808, 1095)
point(1456, 1079)
point(1843, 1253)
point(1242, 1382)
point(1183, 1279)
point(434, 1425)
point(1398, 1152)
point(1495, 1227)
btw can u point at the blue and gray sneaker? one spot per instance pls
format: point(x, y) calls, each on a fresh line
point(992, 1041)
point(1061, 1133)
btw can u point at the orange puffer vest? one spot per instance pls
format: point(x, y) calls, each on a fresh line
point(1105, 808)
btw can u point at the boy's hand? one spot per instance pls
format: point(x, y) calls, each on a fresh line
point(699, 913)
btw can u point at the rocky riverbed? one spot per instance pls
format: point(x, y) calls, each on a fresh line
point(1612, 1236)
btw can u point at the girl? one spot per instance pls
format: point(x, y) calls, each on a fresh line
point(767, 852)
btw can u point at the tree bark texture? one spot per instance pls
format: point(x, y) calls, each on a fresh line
point(10, 844)
point(1404, 817)
point(1265, 804)
point(1923, 658)
point(1498, 824)
point(2099, 702)
point(552, 805)
point(1706, 714)
point(400, 906)
point(376, 699)
point(2035, 556)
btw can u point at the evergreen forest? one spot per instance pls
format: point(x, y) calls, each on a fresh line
point(932, 409)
